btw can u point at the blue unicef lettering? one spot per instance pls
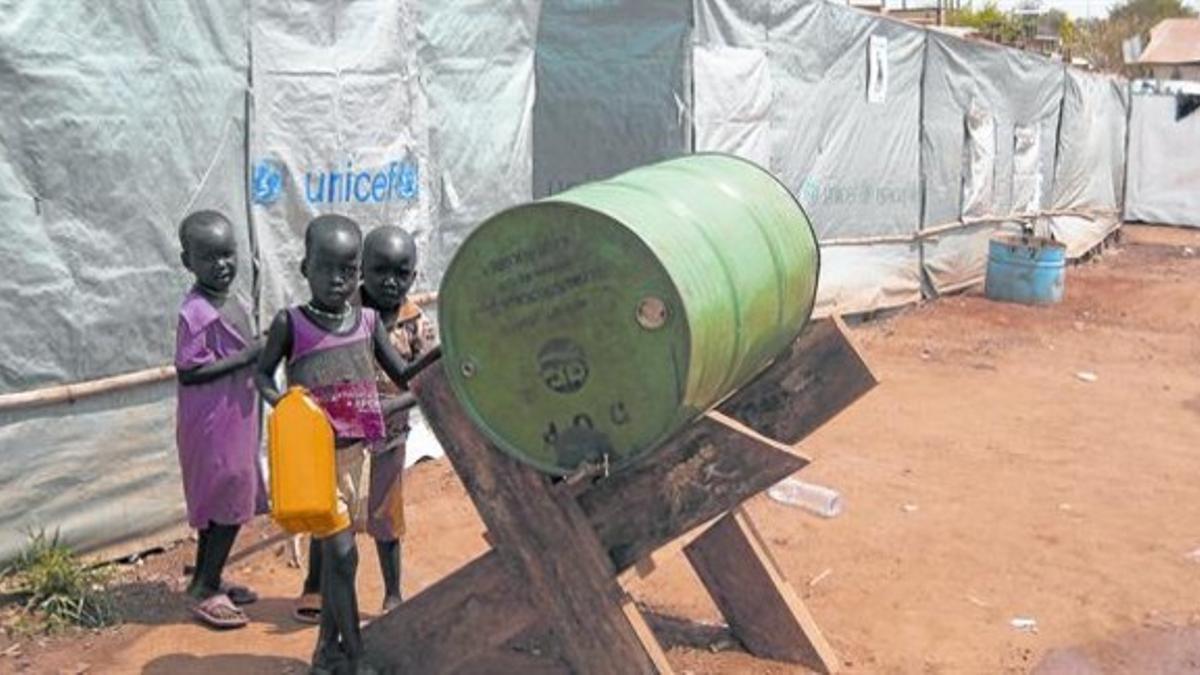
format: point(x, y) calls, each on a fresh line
point(395, 180)
point(408, 181)
point(267, 182)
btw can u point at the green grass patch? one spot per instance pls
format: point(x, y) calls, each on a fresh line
point(59, 588)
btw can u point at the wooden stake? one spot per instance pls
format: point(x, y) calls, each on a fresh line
point(761, 607)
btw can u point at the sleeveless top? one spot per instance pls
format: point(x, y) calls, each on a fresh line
point(339, 373)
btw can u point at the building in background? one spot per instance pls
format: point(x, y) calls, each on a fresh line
point(1173, 52)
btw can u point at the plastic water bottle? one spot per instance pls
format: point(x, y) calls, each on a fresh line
point(823, 501)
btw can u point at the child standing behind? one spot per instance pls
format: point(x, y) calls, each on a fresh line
point(331, 349)
point(389, 269)
point(217, 428)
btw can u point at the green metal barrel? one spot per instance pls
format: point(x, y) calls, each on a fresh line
point(591, 325)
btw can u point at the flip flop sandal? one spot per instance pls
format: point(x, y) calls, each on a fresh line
point(240, 595)
point(308, 609)
point(220, 612)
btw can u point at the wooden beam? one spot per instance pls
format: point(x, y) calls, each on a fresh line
point(646, 636)
point(546, 541)
point(706, 470)
point(709, 468)
point(761, 607)
point(508, 660)
point(471, 612)
point(820, 375)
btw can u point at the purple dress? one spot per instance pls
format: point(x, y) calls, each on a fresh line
point(217, 427)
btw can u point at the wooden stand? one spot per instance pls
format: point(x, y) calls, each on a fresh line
point(558, 548)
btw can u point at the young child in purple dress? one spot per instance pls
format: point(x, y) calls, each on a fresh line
point(331, 348)
point(217, 425)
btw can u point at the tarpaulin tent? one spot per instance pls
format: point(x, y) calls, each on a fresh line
point(1164, 164)
point(1089, 180)
point(787, 85)
point(989, 129)
point(612, 89)
point(906, 148)
point(114, 124)
point(339, 123)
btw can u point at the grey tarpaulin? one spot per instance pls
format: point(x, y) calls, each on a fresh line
point(1164, 162)
point(611, 89)
point(434, 115)
point(1090, 175)
point(114, 124)
point(339, 126)
point(1020, 94)
point(477, 62)
point(91, 225)
point(786, 83)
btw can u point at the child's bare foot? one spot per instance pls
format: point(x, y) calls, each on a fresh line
point(328, 660)
point(391, 602)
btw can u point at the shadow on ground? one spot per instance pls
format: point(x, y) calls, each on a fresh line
point(186, 664)
point(157, 604)
point(1167, 650)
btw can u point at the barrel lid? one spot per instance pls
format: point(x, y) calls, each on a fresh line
point(563, 337)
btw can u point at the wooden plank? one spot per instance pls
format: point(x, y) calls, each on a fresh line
point(507, 660)
point(649, 564)
point(761, 607)
point(646, 636)
point(545, 539)
point(716, 466)
point(711, 467)
point(820, 375)
point(706, 470)
point(442, 629)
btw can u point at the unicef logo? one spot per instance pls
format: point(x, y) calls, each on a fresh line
point(267, 182)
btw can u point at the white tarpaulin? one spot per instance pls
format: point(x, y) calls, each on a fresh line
point(733, 101)
point(1090, 175)
point(1020, 94)
point(477, 65)
point(1164, 161)
point(339, 126)
point(843, 124)
point(611, 89)
point(906, 149)
point(113, 125)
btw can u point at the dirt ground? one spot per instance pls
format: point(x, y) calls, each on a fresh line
point(984, 480)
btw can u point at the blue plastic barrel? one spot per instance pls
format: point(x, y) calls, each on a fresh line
point(1025, 269)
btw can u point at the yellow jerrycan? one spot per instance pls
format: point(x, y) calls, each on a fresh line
point(301, 452)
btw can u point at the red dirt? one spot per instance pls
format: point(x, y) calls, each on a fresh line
point(1031, 493)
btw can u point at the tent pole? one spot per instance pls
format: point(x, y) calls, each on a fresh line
point(69, 393)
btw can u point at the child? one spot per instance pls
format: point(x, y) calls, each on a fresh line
point(331, 348)
point(389, 269)
point(217, 427)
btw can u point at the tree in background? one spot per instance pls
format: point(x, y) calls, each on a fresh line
point(1068, 34)
point(1100, 41)
point(989, 21)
